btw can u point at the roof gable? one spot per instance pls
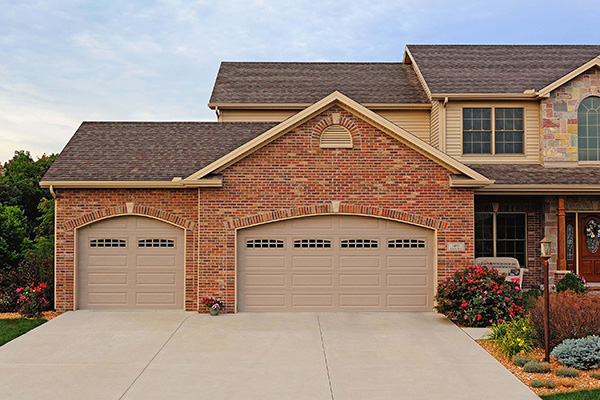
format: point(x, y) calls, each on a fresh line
point(473, 178)
point(595, 62)
point(497, 69)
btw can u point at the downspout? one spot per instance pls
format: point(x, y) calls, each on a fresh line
point(53, 193)
point(218, 113)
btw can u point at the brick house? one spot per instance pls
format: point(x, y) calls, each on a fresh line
point(337, 186)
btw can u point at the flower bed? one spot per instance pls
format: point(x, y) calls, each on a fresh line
point(583, 381)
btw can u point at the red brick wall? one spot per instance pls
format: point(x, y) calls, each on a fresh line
point(292, 172)
point(289, 177)
point(75, 208)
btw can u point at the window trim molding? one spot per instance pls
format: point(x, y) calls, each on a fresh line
point(493, 132)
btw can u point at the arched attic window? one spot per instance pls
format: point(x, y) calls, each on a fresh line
point(588, 129)
point(336, 136)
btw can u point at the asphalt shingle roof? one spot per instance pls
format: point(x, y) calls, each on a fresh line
point(497, 68)
point(534, 174)
point(148, 151)
point(307, 83)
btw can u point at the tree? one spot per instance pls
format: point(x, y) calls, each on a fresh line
point(19, 185)
point(13, 239)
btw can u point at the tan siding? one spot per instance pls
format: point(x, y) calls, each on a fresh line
point(255, 115)
point(416, 122)
point(435, 124)
point(454, 132)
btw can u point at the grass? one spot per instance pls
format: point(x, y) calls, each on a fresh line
point(13, 328)
point(593, 394)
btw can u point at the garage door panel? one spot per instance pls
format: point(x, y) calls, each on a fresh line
point(406, 262)
point(99, 278)
point(156, 261)
point(142, 275)
point(106, 261)
point(107, 298)
point(408, 280)
point(263, 280)
point(312, 262)
point(358, 270)
point(351, 280)
point(412, 301)
point(256, 261)
point(360, 300)
point(312, 280)
point(149, 278)
point(312, 300)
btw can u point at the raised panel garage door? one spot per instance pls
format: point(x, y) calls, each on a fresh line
point(335, 263)
point(130, 263)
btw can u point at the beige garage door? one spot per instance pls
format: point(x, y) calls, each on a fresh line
point(130, 263)
point(335, 263)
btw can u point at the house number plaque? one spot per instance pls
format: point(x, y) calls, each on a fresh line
point(455, 246)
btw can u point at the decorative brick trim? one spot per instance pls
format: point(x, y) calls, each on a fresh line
point(319, 209)
point(122, 210)
point(328, 120)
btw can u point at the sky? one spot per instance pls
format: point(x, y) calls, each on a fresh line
point(66, 61)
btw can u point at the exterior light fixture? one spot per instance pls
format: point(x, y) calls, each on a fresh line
point(545, 254)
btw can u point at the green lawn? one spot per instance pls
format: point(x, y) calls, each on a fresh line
point(12, 328)
point(580, 395)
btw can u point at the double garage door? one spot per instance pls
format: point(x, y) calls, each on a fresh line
point(130, 263)
point(335, 263)
point(321, 263)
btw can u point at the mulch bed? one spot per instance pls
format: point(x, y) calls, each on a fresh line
point(47, 315)
point(583, 381)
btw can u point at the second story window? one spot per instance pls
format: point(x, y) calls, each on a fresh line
point(493, 130)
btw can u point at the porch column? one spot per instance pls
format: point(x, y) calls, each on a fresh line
point(561, 263)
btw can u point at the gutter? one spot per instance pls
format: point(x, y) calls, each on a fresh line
point(497, 189)
point(174, 184)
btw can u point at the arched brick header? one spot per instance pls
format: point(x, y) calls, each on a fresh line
point(329, 120)
point(401, 216)
point(122, 210)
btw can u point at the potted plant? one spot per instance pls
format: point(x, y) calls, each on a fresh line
point(213, 305)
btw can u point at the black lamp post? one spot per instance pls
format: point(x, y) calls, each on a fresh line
point(545, 254)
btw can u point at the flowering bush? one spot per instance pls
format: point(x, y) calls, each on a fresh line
point(31, 301)
point(212, 303)
point(513, 337)
point(478, 296)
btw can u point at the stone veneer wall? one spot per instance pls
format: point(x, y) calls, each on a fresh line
point(559, 117)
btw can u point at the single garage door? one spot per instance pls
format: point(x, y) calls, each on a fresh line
point(335, 263)
point(130, 263)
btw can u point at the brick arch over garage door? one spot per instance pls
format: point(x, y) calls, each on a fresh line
point(335, 262)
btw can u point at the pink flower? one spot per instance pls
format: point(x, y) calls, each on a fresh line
point(19, 289)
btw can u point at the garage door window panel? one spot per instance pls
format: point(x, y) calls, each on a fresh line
point(108, 242)
point(312, 244)
point(406, 243)
point(155, 242)
point(264, 244)
point(359, 243)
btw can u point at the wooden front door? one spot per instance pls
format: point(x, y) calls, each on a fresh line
point(589, 247)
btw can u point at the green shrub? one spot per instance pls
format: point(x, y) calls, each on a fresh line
point(478, 296)
point(537, 367)
point(521, 359)
point(513, 337)
point(530, 297)
point(581, 353)
point(572, 316)
point(542, 383)
point(572, 282)
point(595, 375)
point(567, 372)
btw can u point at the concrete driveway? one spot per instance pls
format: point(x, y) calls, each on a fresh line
point(178, 355)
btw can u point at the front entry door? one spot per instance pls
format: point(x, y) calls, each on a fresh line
point(589, 247)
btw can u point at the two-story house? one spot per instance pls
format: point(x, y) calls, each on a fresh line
point(337, 186)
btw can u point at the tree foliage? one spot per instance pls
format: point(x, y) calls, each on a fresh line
point(26, 228)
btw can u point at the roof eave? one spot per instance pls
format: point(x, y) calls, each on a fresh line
point(301, 106)
point(538, 189)
point(486, 96)
point(174, 184)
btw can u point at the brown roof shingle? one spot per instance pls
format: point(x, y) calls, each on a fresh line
point(497, 68)
point(147, 151)
point(307, 83)
point(534, 174)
